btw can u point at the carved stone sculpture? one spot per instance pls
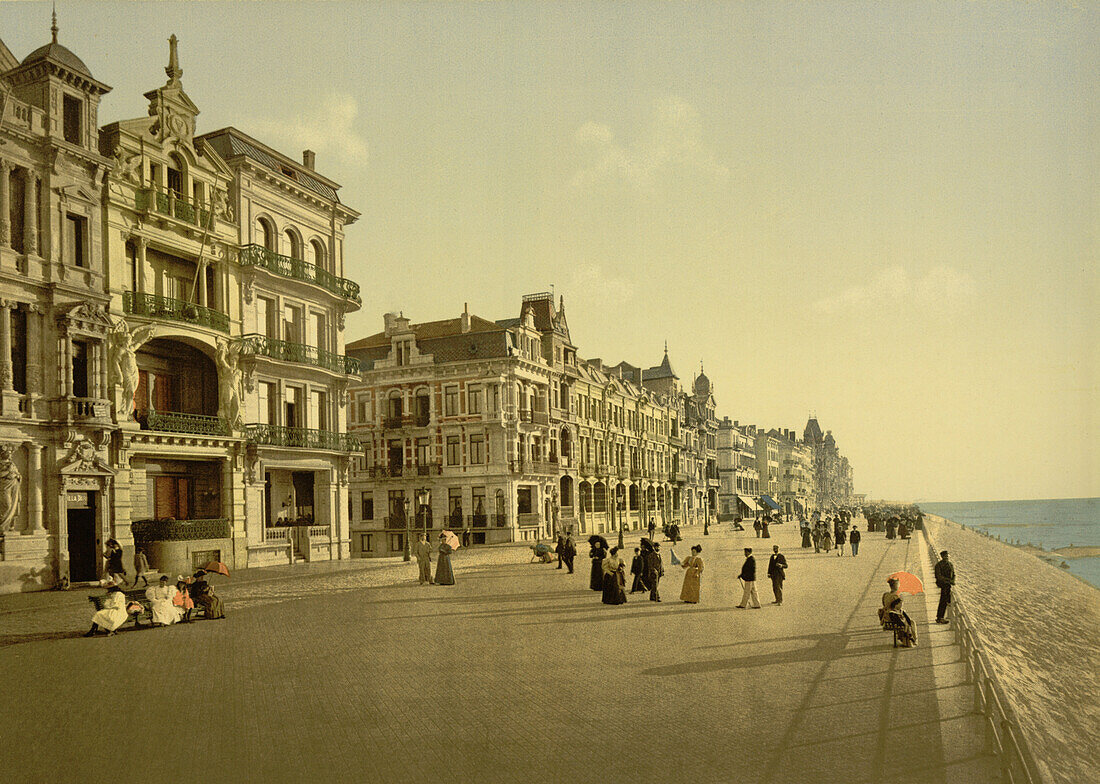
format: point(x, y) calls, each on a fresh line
point(230, 408)
point(220, 203)
point(122, 360)
point(11, 489)
point(127, 166)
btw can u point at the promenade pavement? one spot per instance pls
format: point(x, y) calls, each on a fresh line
point(518, 672)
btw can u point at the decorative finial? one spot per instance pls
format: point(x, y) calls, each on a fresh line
point(53, 27)
point(173, 70)
point(666, 348)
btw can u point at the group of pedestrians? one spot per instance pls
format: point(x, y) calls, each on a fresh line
point(828, 533)
point(646, 569)
point(444, 572)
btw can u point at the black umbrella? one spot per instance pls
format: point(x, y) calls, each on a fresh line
point(594, 538)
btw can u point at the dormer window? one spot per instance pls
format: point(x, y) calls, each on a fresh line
point(72, 110)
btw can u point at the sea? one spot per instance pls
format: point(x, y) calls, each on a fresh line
point(1050, 524)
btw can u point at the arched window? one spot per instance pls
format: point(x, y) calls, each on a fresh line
point(177, 175)
point(320, 258)
point(293, 244)
point(266, 233)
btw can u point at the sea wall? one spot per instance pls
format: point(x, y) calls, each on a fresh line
point(1040, 628)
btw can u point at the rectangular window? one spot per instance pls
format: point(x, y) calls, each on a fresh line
point(172, 497)
point(450, 401)
point(423, 451)
point(454, 454)
point(366, 543)
point(366, 506)
point(73, 109)
point(292, 324)
point(291, 409)
point(479, 504)
point(265, 317)
point(477, 449)
point(318, 410)
point(523, 500)
point(476, 396)
point(266, 393)
point(397, 543)
point(494, 399)
point(363, 408)
point(454, 507)
point(76, 237)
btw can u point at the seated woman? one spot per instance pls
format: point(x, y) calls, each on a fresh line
point(891, 612)
point(203, 595)
point(112, 615)
point(161, 596)
point(540, 552)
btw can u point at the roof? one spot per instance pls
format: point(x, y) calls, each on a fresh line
point(428, 331)
point(59, 54)
point(702, 384)
point(231, 143)
point(664, 370)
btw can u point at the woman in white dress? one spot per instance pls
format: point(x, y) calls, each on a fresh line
point(162, 602)
point(113, 613)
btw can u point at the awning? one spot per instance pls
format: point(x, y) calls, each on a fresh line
point(767, 499)
point(748, 503)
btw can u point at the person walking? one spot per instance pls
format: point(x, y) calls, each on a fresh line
point(654, 569)
point(116, 572)
point(806, 534)
point(693, 566)
point(141, 566)
point(945, 580)
point(613, 578)
point(841, 536)
point(764, 527)
point(777, 571)
point(652, 528)
point(757, 526)
point(423, 553)
point(853, 540)
point(444, 574)
point(748, 582)
point(559, 548)
point(637, 566)
point(569, 551)
point(596, 554)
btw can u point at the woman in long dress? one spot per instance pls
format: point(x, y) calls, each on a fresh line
point(597, 554)
point(693, 569)
point(113, 613)
point(161, 601)
point(614, 581)
point(891, 610)
point(444, 574)
point(806, 535)
point(203, 595)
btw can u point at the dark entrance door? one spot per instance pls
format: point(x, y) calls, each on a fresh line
point(82, 553)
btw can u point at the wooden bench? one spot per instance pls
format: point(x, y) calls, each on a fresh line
point(136, 595)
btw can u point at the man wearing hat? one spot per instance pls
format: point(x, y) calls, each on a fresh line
point(748, 581)
point(945, 578)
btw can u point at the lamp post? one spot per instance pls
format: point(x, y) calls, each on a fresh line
point(622, 514)
point(405, 511)
point(424, 504)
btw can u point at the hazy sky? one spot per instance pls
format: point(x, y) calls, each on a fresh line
point(886, 213)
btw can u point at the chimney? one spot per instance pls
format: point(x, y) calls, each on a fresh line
point(389, 318)
point(309, 159)
point(465, 317)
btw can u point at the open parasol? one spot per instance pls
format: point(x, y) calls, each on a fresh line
point(450, 538)
point(908, 583)
point(218, 567)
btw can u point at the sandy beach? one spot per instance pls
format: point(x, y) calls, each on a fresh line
point(1040, 628)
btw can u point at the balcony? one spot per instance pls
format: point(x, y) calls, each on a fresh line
point(180, 530)
point(527, 520)
point(155, 306)
point(296, 269)
point(175, 206)
point(429, 469)
point(533, 467)
point(534, 417)
point(179, 422)
point(303, 437)
point(405, 420)
point(299, 352)
point(395, 471)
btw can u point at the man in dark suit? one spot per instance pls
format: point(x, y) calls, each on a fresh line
point(777, 568)
point(569, 550)
point(653, 568)
point(945, 579)
point(748, 580)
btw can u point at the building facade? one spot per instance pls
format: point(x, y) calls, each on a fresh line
point(832, 473)
point(170, 337)
point(499, 429)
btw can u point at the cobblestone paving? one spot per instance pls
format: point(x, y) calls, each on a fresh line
point(517, 673)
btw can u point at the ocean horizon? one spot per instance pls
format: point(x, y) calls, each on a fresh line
point(1049, 523)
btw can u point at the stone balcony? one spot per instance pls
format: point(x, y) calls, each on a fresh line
point(296, 269)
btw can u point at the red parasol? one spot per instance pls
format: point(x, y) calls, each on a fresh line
point(217, 566)
point(908, 583)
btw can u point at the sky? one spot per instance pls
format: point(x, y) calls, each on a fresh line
point(883, 213)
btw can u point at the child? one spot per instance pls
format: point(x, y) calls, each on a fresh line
point(141, 566)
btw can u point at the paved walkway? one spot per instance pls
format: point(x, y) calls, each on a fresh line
point(516, 673)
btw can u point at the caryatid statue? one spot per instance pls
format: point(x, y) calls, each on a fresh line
point(229, 385)
point(11, 489)
point(122, 360)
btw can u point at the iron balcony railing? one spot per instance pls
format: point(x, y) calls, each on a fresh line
point(386, 472)
point(287, 267)
point(308, 438)
point(179, 422)
point(180, 530)
point(500, 521)
point(298, 352)
point(173, 205)
point(156, 306)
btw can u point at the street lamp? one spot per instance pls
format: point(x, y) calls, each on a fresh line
point(405, 511)
point(622, 514)
point(424, 503)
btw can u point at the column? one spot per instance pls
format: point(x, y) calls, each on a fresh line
point(201, 287)
point(30, 212)
point(6, 375)
point(5, 205)
point(140, 243)
point(35, 481)
point(34, 350)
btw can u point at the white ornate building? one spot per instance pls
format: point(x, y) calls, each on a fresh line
point(171, 334)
